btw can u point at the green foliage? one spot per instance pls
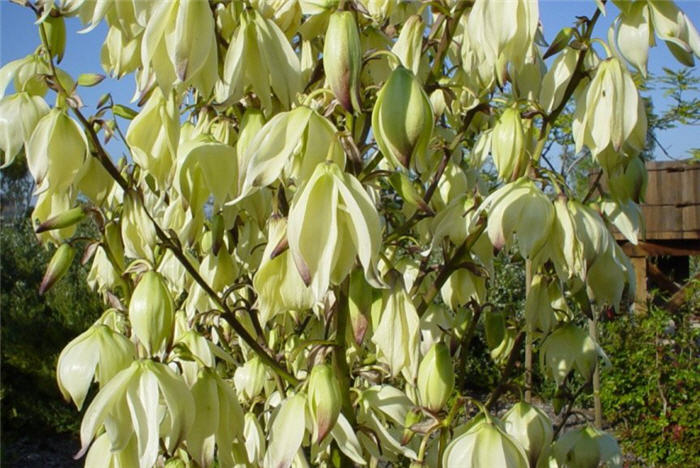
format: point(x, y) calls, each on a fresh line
point(35, 329)
point(650, 393)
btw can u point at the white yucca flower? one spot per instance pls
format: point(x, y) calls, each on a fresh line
point(179, 45)
point(587, 447)
point(397, 333)
point(484, 444)
point(530, 426)
point(331, 221)
point(261, 58)
point(97, 353)
point(291, 144)
point(135, 403)
point(19, 115)
point(218, 421)
point(519, 213)
point(284, 443)
point(277, 282)
point(610, 116)
point(153, 136)
point(56, 152)
point(566, 348)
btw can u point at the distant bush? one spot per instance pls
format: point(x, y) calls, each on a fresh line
point(650, 394)
point(34, 330)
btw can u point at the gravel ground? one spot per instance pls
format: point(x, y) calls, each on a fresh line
point(51, 451)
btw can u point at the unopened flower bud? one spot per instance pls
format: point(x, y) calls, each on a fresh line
point(58, 266)
point(217, 233)
point(413, 416)
point(508, 145)
point(55, 28)
point(324, 399)
point(151, 313)
point(402, 119)
point(436, 377)
point(62, 220)
point(342, 59)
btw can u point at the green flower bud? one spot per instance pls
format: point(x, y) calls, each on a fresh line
point(324, 400)
point(494, 327)
point(402, 119)
point(531, 427)
point(151, 313)
point(413, 416)
point(436, 378)
point(58, 266)
point(62, 220)
point(55, 28)
point(508, 145)
point(342, 59)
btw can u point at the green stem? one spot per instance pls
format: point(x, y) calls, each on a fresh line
point(452, 264)
point(340, 363)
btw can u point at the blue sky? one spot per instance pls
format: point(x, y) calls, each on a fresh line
point(18, 37)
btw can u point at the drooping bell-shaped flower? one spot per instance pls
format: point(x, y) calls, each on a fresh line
point(260, 58)
point(153, 136)
point(291, 144)
point(250, 378)
point(485, 444)
point(530, 426)
point(587, 447)
point(143, 401)
point(397, 333)
point(179, 45)
point(56, 152)
point(284, 443)
point(218, 420)
point(566, 348)
point(97, 353)
point(277, 282)
point(610, 114)
point(19, 115)
point(519, 212)
point(331, 221)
